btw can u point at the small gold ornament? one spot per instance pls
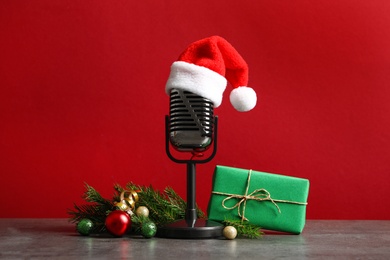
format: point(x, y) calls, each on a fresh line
point(230, 232)
point(122, 205)
point(127, 201)
point(142, 211)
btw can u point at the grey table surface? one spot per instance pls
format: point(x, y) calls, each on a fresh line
point(321, 239)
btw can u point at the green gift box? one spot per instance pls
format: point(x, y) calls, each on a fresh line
point(271, 201)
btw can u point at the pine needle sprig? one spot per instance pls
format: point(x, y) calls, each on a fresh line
point(137, 222)
point(96, 210)
point(93, 196)
point(178, 201)
point(118, 190)
point(161, 211)
point(244, 229)
point(96, 214)
point(164, 207)
point(174, 198)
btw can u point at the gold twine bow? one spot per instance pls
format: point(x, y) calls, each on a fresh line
point(127, 201)
point(258, 195)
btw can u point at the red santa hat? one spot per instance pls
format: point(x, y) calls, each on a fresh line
point(206, 66)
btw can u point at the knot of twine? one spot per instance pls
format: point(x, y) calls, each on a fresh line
point(258, 195)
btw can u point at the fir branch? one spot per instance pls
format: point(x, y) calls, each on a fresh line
point(118, 190)
point(92, 195)
point(244, 229)
point(95, 213)
point(175, 199)
point(137, 221)
point(96, 210)
point(165, 207)
point(161, 211)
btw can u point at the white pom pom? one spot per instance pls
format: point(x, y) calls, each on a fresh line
point(243, 98)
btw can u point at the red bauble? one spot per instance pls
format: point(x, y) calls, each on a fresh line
point(118, 222)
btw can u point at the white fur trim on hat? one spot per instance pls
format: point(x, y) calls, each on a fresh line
point(198, 80)
point(243, 98)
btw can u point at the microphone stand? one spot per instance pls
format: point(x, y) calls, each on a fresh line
point(191, 226)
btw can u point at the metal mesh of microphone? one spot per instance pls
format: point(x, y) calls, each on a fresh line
point(191, 121)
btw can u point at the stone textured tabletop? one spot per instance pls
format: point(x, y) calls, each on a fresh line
point(57, 239)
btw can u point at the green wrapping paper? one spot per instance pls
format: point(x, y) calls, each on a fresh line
point(271, 201)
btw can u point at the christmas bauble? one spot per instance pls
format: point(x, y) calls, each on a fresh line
point(118, 222)
point(142, 211)
point(85, 226)
point(148, 229)
point(230, 232)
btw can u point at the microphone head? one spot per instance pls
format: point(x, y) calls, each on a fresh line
point(191, 121)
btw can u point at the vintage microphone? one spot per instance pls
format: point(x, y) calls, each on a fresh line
point(196, 84)
point(191, 127)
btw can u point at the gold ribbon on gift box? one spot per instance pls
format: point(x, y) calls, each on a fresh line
point(258, 195)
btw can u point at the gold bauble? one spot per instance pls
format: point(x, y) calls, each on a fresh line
point(230, 232)
point(142, 211)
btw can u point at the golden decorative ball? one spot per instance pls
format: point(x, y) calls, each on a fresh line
point(142, 211)
point(230, 232)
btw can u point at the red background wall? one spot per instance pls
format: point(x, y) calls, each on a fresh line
point(82, 99)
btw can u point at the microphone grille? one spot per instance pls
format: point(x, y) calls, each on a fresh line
point(190, 112)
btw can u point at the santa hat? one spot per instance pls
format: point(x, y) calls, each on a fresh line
point(206, 66)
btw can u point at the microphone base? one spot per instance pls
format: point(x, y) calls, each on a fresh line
point(201, 228)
